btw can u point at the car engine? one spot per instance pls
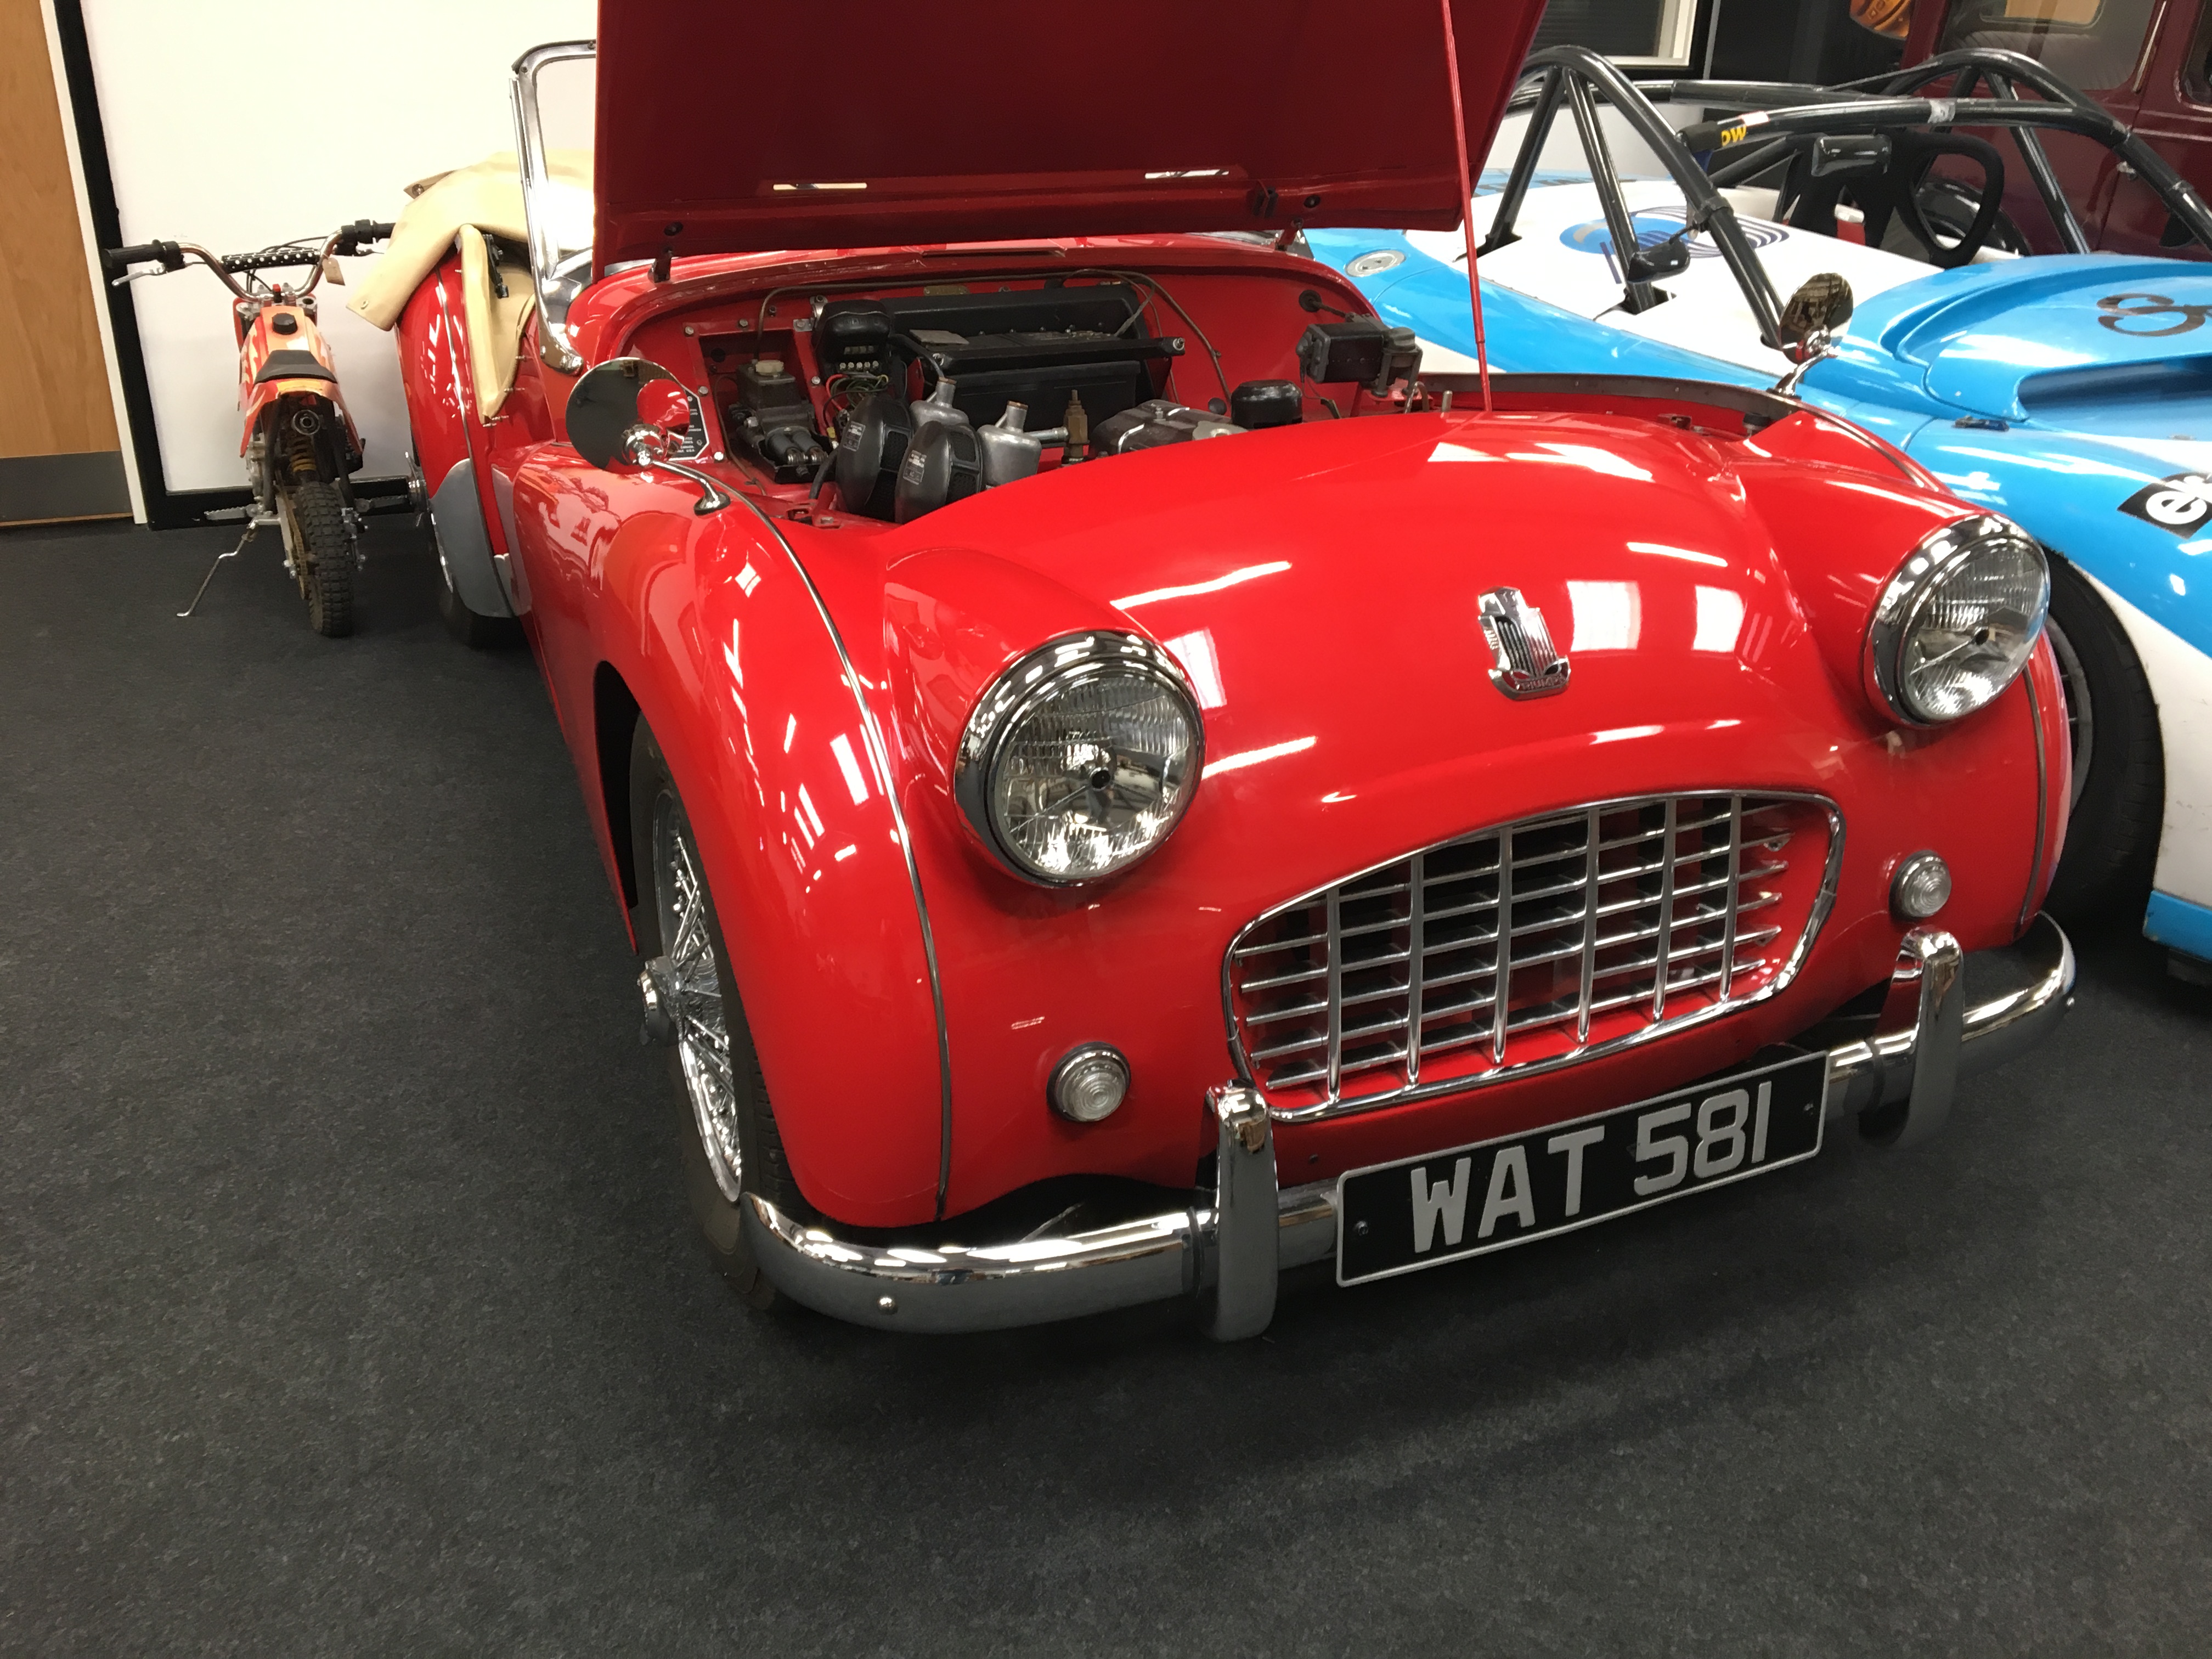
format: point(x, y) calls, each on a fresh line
point(929, 398)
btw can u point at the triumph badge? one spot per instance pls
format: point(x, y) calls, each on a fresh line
point(1527, 665)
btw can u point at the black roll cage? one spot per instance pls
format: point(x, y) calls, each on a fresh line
point(1576, 78)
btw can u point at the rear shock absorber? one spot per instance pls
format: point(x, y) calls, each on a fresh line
point(300, 458)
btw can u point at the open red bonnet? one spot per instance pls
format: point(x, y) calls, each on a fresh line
point(735, 128)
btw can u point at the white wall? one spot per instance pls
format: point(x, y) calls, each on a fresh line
point(236, 126)
point(1563, 146)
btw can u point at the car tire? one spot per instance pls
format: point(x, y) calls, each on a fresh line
point(2119, 770)
point(731, 1143)
point(326, 552)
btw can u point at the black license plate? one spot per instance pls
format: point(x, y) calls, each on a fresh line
point(1400, 1218)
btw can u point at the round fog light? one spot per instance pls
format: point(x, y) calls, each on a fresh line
point(1090, 1081)
point(1921, 887)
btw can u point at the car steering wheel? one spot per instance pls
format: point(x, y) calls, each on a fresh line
point(1914, 157)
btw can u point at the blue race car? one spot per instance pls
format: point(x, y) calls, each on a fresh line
point(2072, 392)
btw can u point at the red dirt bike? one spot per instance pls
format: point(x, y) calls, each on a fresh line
point(300, 445)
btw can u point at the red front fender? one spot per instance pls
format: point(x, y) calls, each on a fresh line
point(718, 637)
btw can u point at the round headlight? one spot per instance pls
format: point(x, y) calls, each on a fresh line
point(1081, 757)
point(1956, 624)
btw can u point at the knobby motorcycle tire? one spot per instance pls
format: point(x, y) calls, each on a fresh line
point(326, 551)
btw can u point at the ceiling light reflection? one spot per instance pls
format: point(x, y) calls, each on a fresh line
point(1667, 552)
point(1720, 619)
point(1190, 589)
point(1254, 756)
point(1608, 615)
point(1588, 456)
point(855, 785)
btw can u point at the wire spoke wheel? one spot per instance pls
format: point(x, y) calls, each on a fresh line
point(703, 1043)
point(733, 1151)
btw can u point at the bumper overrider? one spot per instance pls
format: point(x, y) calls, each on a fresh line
point(1225, 1250)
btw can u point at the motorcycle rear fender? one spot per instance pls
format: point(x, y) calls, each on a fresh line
point(257, 398)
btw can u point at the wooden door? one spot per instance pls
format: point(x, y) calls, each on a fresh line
point(59, 457)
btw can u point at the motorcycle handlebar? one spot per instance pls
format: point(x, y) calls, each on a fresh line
point(116, 260)
point(354, 237)
point(272, 258)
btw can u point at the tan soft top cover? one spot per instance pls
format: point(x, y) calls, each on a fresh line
point(464, 206)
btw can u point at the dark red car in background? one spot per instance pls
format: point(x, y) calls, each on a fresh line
point(2144, 60)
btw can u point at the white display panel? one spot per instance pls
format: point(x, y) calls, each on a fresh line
point(1653, 32)
point(1563, 146)
point(236, 126)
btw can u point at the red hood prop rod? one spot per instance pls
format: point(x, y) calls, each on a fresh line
point(1467, 199)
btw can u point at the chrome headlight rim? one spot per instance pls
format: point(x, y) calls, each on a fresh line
point(1937, 556)
point(1060, 665)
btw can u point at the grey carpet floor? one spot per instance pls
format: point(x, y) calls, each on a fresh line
point(347, 1303)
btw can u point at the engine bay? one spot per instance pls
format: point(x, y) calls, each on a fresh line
point(888, 402)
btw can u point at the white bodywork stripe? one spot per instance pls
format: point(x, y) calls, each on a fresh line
point(2181, 682)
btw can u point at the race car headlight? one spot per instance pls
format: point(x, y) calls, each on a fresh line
point(1956, 624)
point(1081, 757)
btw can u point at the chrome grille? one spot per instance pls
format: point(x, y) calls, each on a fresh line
point(1615, 921)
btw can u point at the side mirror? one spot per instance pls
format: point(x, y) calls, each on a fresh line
point(1668, 259)
point(1815, 311)
point(621, 416)
point(1808, 324)
point(615, 397)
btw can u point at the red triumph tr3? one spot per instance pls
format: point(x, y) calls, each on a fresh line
point(1123, 782)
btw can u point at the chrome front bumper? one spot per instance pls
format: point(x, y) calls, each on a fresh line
point(1954, 1014)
